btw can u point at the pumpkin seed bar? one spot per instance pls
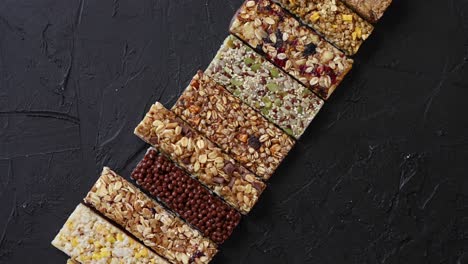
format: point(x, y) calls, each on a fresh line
point(295, 48)
point(89, 238)
point(238, 129)
point(166, 234)
point(332, 19)
point(372, 10)
point(258, 83)
point(200, 157)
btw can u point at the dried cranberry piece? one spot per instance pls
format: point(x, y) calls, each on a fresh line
point(254, 142)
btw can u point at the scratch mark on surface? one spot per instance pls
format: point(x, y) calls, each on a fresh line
point(10, 218)
point(79, 13)
point(435, 92)
point(115, 8)
point(42, 153)
point(43, 114)
point(429, 198)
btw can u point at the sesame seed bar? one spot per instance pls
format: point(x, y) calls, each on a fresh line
point(166, 234)
point(260, 84)
point(372, 10)
point(332, 19)
point(186, 196)
point(200, 157)
point(295, 48)
point(89, 238)
point(238, 129)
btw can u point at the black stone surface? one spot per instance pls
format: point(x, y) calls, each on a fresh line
point(379, 177)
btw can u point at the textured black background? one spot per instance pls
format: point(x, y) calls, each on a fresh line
point(379, 177)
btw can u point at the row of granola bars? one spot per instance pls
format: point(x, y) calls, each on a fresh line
point(224, 137)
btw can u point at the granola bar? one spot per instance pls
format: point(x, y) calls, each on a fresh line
point(238, 129)
point(332, 19)
point(89, 238)
point(295, 48)
point(186, 196)
point(371, 10)
point(200, 157)
point(71, 261)
point(166, 234)
point(258, 83)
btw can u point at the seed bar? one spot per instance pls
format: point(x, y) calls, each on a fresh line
point(371, 10)
point(186, 196)
point(88, 238)
point(200, 157)
point(295, 48)
point(166, 234)
point(238, 129)
point(332, 19)
point(258, 83)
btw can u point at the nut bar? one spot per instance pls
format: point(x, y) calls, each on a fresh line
point(333, 20)
point(88, 238)
point(295, 48)
point(258, 83)
point(166, 234)
point(371, 10)
point(200, 157)
point(186, 196)
point(243, 133)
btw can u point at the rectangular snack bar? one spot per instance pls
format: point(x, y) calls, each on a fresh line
point(186, 196)
point(295, 48)
point(372, 10)
point(258, 83)
point(238, 129)
point(332, 19)
point(71, 261)
point(89, 238)
point(200, 157)
point(166, 234)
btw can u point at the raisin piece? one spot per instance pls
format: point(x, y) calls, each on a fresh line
point(254, 142)
point(309, 50)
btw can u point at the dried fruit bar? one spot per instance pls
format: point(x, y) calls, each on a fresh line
point(371, 10)
point(332, 19)
point(295, 48)
point(200, 157)
point(166, 234)
point(258, 83)
point(186, 196)
point(89, 238)
point(238, 129)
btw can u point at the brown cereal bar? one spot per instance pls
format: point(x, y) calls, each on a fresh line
point(200, 157)
point(238, 129)
point(371, 10)
point(166, 234)
point(332, 19)
point(258, 83)
point(186, 196)
point(295, 48)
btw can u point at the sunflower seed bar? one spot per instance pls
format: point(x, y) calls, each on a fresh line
point(200, 157)
point(258, 83)
point(295, 48)
point(88, 238)
point(332, 19)
point(240, 131)
point(166, 234)
point(371, 10)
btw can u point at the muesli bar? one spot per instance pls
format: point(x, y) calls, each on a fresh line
point(295, 48)
point(88, 238)
point(372, 10)
point(200, 157)
point(260, 84)
point(332, 19)
point(238, 129)
point(186, 196)
point(163, 232)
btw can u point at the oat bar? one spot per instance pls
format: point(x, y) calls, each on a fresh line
point(71, 261)
point(88, 238)
point(260, 84)
point(166, 234)
point(332, 19)
point(186, 196)
point(238, 129)
point(200, 157)
point(295, 48)
point(371, 10)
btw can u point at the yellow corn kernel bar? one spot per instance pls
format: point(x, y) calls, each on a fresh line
point(88, 238)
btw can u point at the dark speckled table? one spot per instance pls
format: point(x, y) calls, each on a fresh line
point(379, 177)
